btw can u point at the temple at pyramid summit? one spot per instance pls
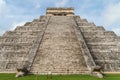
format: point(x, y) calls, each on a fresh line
point(59, 43)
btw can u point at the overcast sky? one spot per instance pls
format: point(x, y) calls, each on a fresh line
point(102, 12)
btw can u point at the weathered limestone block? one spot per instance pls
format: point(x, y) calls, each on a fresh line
point(28, 24)
point(28, 28)
point(101, 28)
point(43, 18)
point(87, 29)
point(85, 24)
point(83, 20)
point(109, 33)
point(35, 20)
point(77, 18)
point(9, 33)
point(100, 39)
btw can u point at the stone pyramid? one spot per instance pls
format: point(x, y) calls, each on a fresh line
point(61, 43)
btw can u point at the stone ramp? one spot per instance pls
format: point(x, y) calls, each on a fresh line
point(59, 52)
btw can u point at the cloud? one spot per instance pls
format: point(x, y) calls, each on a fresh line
point(37, 6)
point(62, 3)
point(15, 24)
point(2, 3)
point(2, 7)
point(111, 14)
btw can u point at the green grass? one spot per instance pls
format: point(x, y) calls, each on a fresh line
point(59, 77)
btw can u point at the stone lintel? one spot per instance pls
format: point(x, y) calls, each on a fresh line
point(60, 11)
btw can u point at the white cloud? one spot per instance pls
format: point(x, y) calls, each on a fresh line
point(62, 3)
point(3, 8)
point(111, 14)
point(2, 3)
point(15, 24)
point(37, 6)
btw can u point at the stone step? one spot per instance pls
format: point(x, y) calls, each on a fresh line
point(89, 34)
point(57, 69)
point(102, 37)
point(101, 33)
point(104, 50)
point(28, 28)
point(14, 47)
point(38, 20)
point(3, 38)
point(42, 17)
point(34, 23)
point(83, 20)
point(19, 33)
point(17, 40)
point(8, 71)
point(9, 65)
point(92, 29)
point(18, 43)
point(8, 33)
point(111, 55)
point(85, 24)
point(101, 40)
point(22, 33)
point(60, 72)
point(101, 43)
point(111, 33)
point(102, 46)
point(100, 28)
point(14, 51)
point(77, 18)
point(62, 67)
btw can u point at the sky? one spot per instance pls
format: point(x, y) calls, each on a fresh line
point(104, 13)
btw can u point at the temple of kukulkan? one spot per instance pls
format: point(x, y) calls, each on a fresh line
point(60, 43)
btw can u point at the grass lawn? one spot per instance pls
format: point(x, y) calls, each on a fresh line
point(59, 77)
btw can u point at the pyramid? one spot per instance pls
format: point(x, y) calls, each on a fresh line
point(59, 43)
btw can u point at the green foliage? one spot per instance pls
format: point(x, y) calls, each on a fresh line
point(59, 77)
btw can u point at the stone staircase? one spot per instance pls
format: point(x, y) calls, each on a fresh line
point(32, 52)
point(60, 51)
point(104, 45)
point(86, 53)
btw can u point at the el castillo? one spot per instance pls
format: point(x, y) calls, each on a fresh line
point(59, 42)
